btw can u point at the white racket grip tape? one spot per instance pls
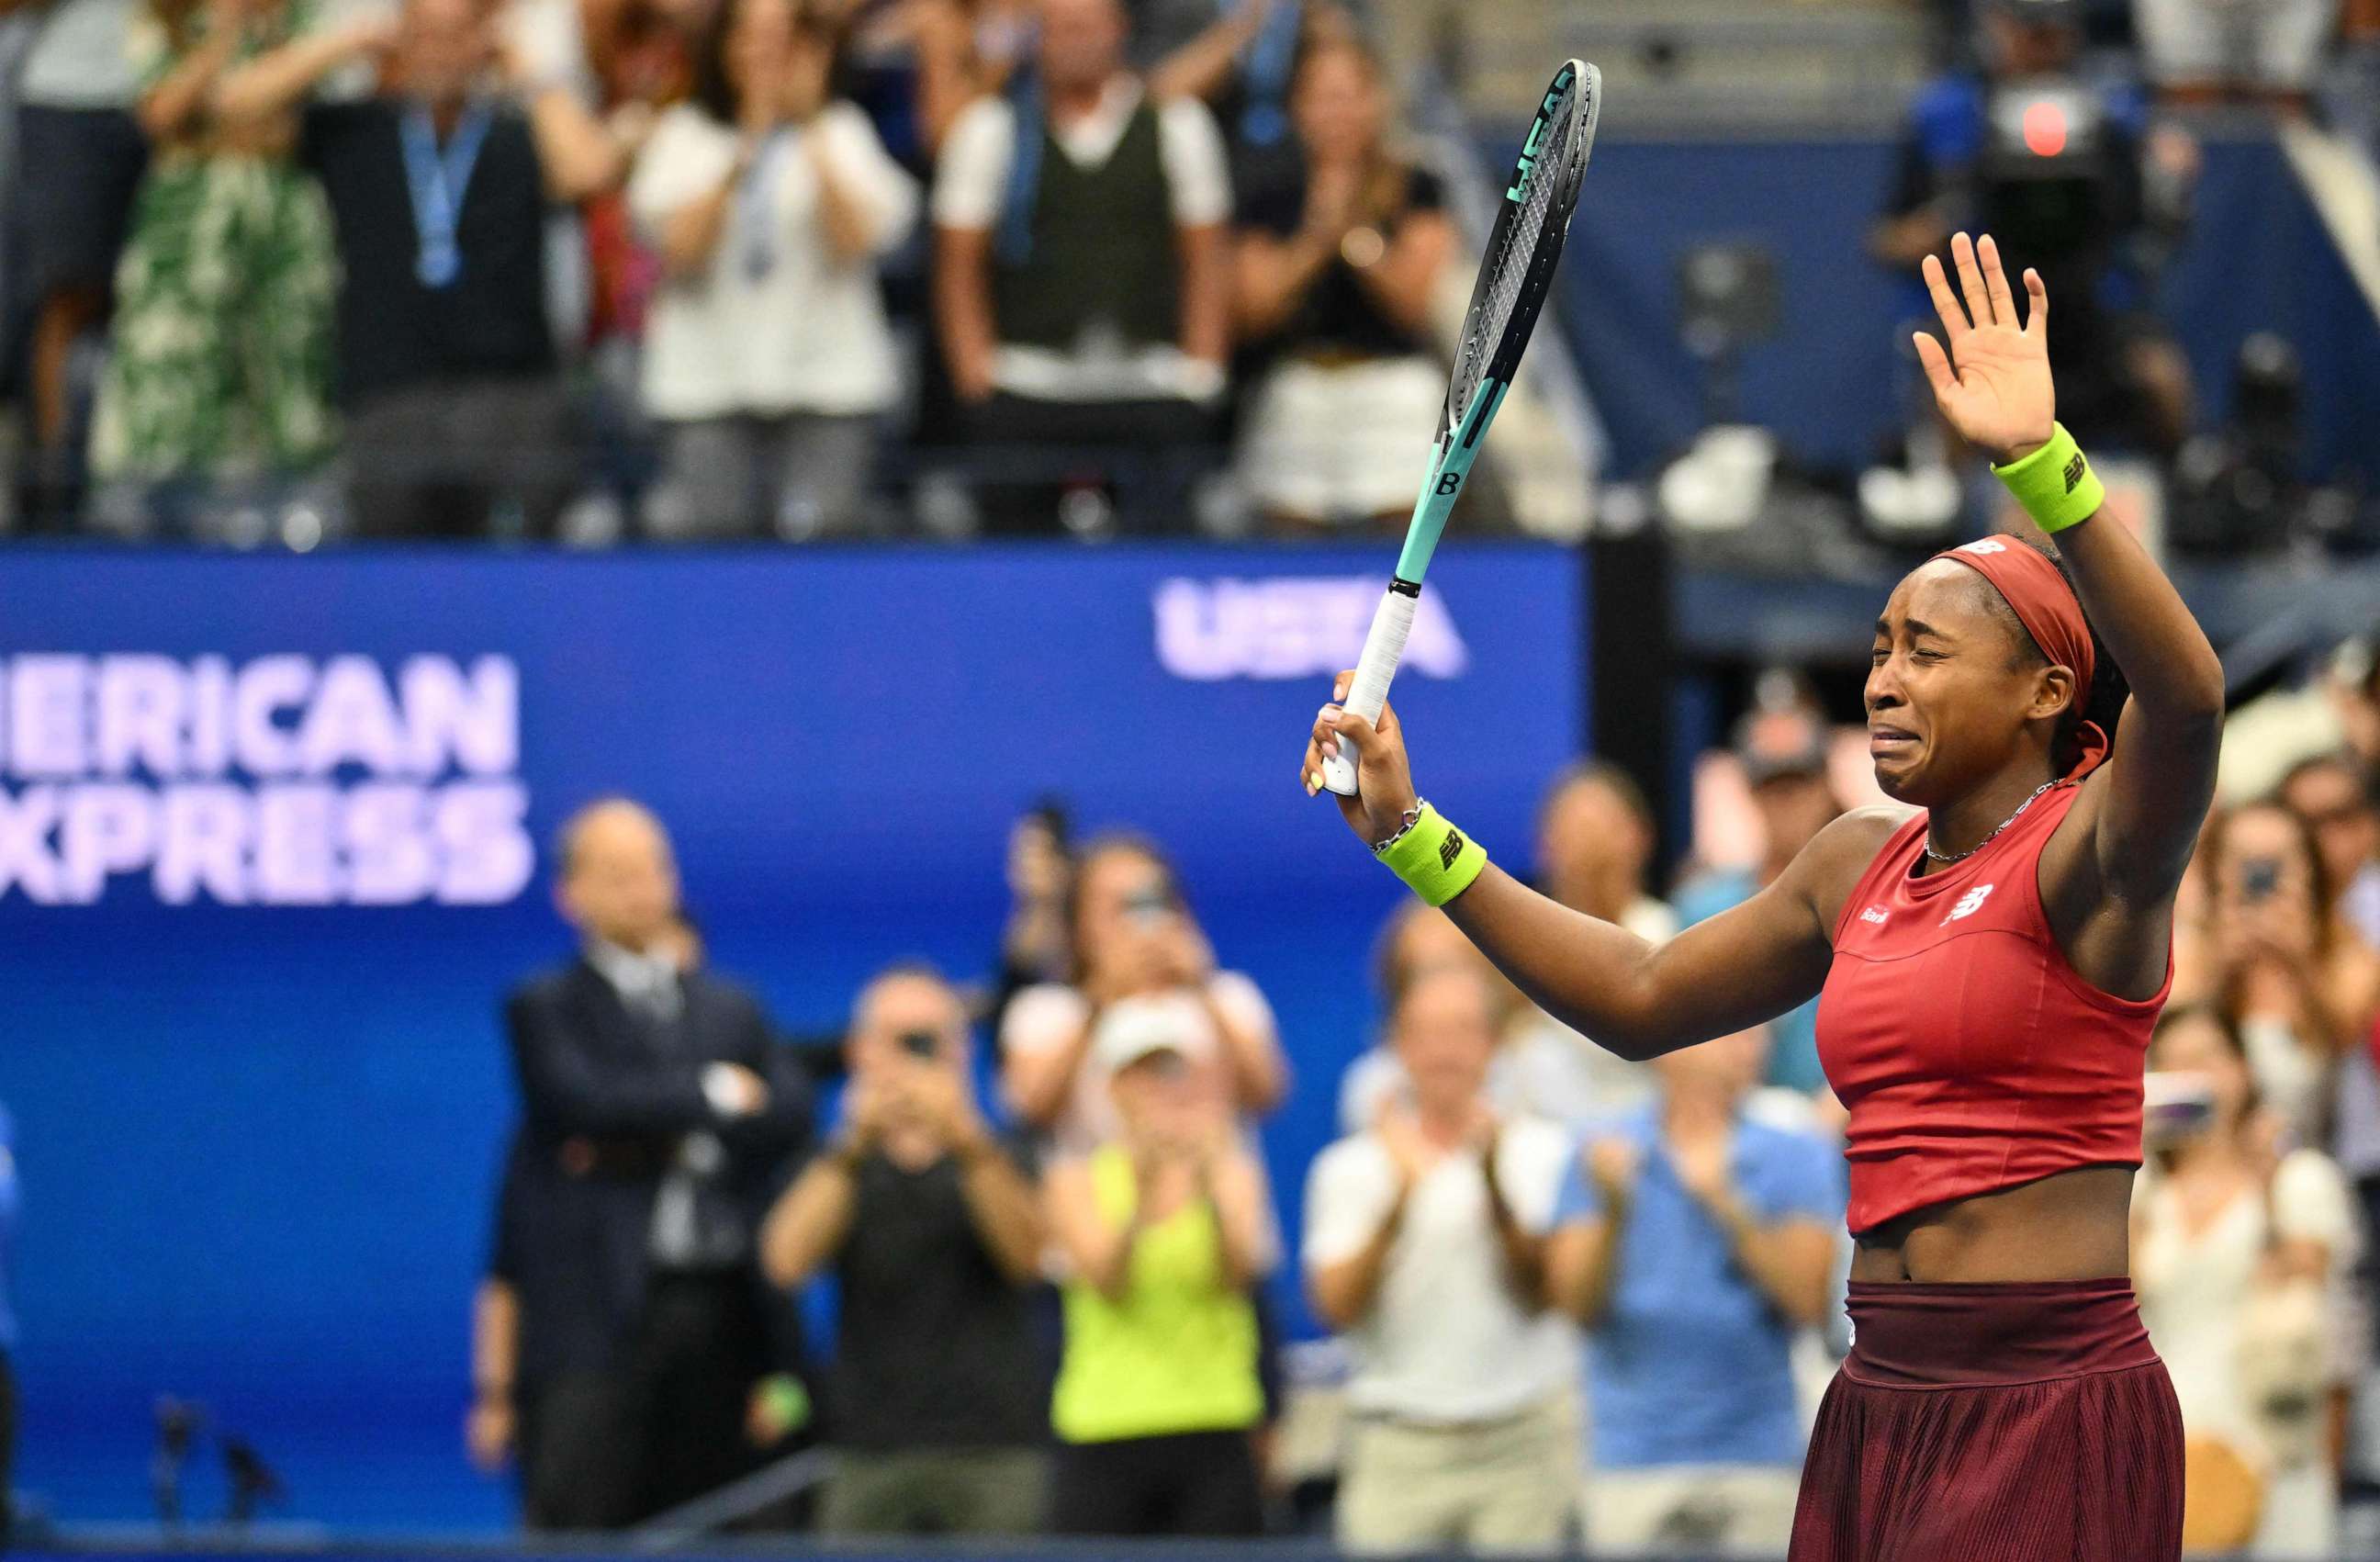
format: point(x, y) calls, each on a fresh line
point(1383, 647)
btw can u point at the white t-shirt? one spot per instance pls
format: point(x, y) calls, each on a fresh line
point(2195, 1287)
point(1045, 1016)
point(1563, 1077)
point(81, 57)
point(1445, 1340)
point(805, 334)
point(971, 185)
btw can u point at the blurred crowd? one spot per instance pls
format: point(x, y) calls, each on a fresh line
point(1568, 1297)
point(290, 270)
point(674, 269)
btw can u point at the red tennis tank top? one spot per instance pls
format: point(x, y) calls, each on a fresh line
point(1970, 1055)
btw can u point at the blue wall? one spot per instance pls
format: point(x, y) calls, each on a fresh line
point(1834, 380)
point(257, 1140)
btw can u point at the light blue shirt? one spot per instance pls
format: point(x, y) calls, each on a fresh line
point(1792, 1038)
point(1691, 1364)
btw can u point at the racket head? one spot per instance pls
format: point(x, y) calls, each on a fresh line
point(1516, 271)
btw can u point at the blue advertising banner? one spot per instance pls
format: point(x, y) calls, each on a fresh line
point(275, 840)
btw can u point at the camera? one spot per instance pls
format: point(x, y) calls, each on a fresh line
point(2259, 878)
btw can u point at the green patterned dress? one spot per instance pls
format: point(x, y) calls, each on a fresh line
point(222, 358)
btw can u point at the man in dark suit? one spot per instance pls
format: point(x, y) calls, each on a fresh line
point(659, 1120)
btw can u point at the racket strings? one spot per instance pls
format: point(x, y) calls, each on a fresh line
point(1508, 270)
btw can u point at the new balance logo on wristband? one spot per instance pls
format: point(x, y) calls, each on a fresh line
point(1451, 848)
point(2074, 471)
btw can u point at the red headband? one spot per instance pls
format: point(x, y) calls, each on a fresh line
point(2044, 605)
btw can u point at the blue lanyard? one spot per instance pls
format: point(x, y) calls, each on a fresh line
point(438, 181)
point(1264, 74)
point(756, 216)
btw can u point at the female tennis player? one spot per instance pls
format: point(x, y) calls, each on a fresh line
point(1989, 972)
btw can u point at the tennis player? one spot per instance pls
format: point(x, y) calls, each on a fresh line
point(1988, 974)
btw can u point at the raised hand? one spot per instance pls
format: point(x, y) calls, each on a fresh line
point(2000, 395)
point(1384, 788)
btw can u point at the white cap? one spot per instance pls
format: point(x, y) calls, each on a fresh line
point(1132, 1029)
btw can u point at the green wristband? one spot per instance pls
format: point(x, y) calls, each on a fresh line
point(1437, 860)
point(2055, 484)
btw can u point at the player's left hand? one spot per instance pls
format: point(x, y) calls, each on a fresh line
point(2000, 397)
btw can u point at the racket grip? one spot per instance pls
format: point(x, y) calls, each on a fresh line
point(1383, 647)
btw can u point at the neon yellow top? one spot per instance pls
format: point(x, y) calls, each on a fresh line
point(1179, 1352)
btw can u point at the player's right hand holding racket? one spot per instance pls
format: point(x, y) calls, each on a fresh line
point(1384, 788)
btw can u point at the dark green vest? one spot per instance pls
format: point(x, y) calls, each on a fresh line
point(1102, 253)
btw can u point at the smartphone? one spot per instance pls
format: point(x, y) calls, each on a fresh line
point(1150, 908)
point(2259, 878)
point(2176, 1106)
point(921, 1043)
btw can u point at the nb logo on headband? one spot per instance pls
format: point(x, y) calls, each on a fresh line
point(1986, 546)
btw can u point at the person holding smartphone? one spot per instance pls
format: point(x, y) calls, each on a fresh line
point(2273, 951)
point(1132, 937)
point(933, 1228)
point(2239, 1246)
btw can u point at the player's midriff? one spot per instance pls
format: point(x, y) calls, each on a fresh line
point(1994, 1095)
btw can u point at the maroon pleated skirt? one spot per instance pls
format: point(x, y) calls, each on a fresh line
point(1995, 1423)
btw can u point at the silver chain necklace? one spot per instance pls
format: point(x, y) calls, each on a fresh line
point(1948, 858)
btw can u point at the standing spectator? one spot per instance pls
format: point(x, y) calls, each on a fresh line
point(2301, 984)
point(2333, 795)
point(1418, 940)
point(768, 360)
point(642, 64)
point(220, 372)
point(2237, 1251)
point(1424, 1246)
point(1134, 938)
point(1594, 846)
point(934, 1229)
point(1338, 257)
point(2263, 52)
point(1692, 1240)
point(1037, 943)
point(1165, 1228)
point(78, 156)
point(439, 191)
point(960, 50)
point(659, 1123)
point(1783, 753)
point(1081, 277)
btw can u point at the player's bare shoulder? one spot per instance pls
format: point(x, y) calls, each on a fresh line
point(1828, 868)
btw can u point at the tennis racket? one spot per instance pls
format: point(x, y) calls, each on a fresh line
point(1514, 277)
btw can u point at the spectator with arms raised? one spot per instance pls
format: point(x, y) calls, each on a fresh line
point(1594, 846)
point(1424, 1242)
point(1134, 938)
point(438, 186)
point(1783, 752)
point(221, 372)
point(1337, 259)
point(1165, 1229)
point(767, 358)
point(934, 1230)
point(1691, 1241)
point(1081, 280)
